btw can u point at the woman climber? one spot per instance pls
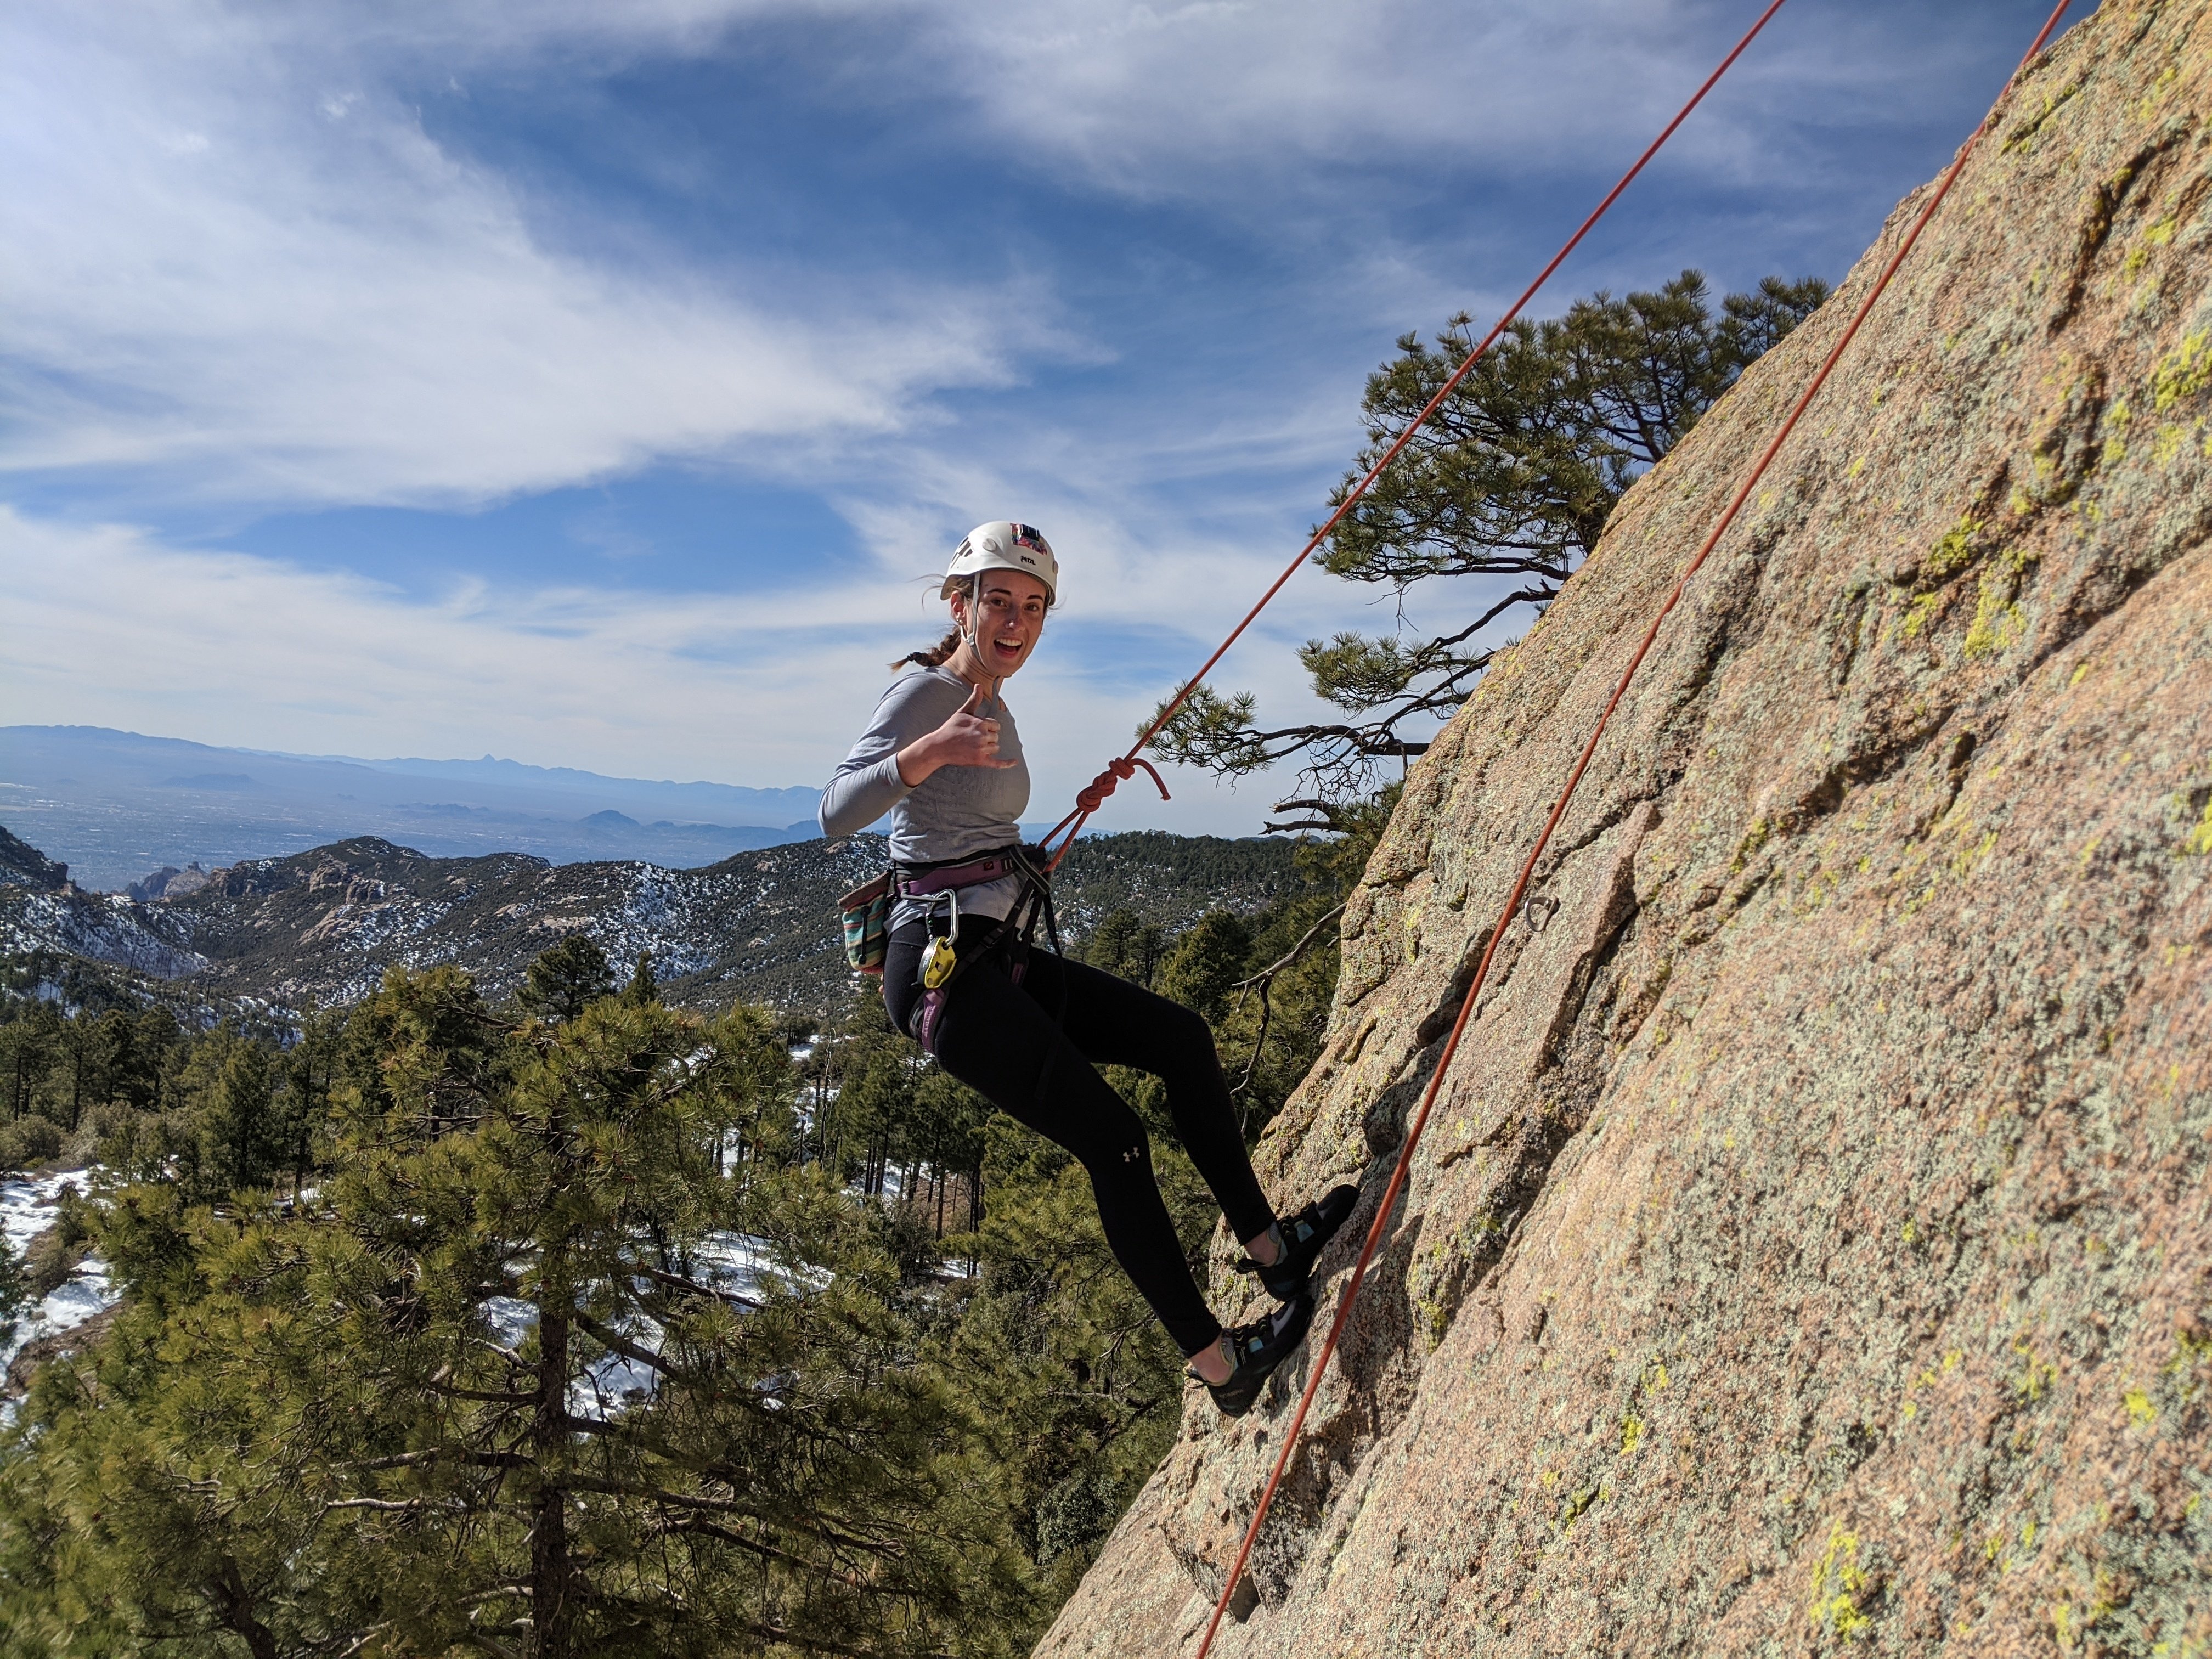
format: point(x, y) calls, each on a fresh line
point(1027, 1030)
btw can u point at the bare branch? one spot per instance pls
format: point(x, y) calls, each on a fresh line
point(1295, 952)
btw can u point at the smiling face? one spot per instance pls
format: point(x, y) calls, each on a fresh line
point(1006, 624)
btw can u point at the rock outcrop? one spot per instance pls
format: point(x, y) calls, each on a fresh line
point(1812, 1245)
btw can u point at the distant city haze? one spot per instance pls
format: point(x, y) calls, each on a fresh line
point(117, 806)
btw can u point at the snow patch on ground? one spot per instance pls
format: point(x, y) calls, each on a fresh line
point(27, 1208)
point(105, 926)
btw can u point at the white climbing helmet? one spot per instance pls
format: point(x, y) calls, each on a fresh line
point(1004, 545)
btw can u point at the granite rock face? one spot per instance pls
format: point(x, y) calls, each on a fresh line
point(1812, 1247)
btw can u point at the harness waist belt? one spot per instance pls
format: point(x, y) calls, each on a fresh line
point(991, 867)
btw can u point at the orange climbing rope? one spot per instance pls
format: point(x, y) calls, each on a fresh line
point(1088, 800)
point(1420, 1120)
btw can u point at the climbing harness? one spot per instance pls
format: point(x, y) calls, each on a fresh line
point(1728, 515)
point(943, 960)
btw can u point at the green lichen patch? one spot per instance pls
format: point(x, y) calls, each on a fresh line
point(2023, 136)
point(1954, 551)
point(2186, 371)
point(1999, 622)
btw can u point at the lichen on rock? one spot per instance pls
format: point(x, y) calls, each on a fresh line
point(1811, 1245)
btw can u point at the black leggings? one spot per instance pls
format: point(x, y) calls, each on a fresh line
point(1003, 1041)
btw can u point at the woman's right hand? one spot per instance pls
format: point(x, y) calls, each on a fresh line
point(967, 739)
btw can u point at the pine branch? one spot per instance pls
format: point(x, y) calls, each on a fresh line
point(678, 1282)
point(1265, 981)
point(695, 1526)
point(770, 1633)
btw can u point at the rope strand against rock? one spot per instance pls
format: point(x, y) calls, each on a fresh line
point(1319, 1364)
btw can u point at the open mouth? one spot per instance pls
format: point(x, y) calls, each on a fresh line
point(1006, 650)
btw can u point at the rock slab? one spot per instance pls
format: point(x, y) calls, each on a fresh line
point(1812, 1247)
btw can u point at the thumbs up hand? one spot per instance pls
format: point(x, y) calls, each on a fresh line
point(968, 737)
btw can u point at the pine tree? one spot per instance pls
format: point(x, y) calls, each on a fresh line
point(566, 979)
point(1512, 480)
point(529, 1378)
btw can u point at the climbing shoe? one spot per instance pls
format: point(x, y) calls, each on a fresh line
point(1299, 1241)
point(1256, 1349)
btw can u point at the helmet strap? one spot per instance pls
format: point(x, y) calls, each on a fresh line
point(971, 635)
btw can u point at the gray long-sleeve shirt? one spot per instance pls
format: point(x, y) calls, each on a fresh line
point(955, 812)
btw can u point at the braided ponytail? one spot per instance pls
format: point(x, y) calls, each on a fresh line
point(936, 654)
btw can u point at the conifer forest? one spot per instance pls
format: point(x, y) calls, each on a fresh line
point(571, 1323)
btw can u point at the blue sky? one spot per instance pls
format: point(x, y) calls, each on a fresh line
point(590, 383)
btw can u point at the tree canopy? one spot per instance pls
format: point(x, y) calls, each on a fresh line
point(1511, 482)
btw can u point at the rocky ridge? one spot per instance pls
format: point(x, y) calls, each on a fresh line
point(322, 926)
point(1812, 1247)
point(22, 864)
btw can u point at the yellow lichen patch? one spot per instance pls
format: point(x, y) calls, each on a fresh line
point(2140, 1412)
point(1916, 618)
point(2199, 843)
point(2148, 106)
point(2172, 441)
point(1997, 626)
point(2118, 419)
point(1631, 1433)
point(2052, 102)
point(1857, 467)
point(2158, 235)
point(1955, 550)
point(1967, 859)
point(2186, 371)
point(1753, 839)
point(2036, 1375)
point(1998, 622)
point(1838, 1581)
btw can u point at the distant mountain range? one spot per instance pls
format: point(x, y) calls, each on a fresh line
point(117, 807)
point(322, 926)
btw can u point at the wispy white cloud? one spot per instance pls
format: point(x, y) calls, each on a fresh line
point(109, 626)
point(232, 255)
point(1212, 98)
